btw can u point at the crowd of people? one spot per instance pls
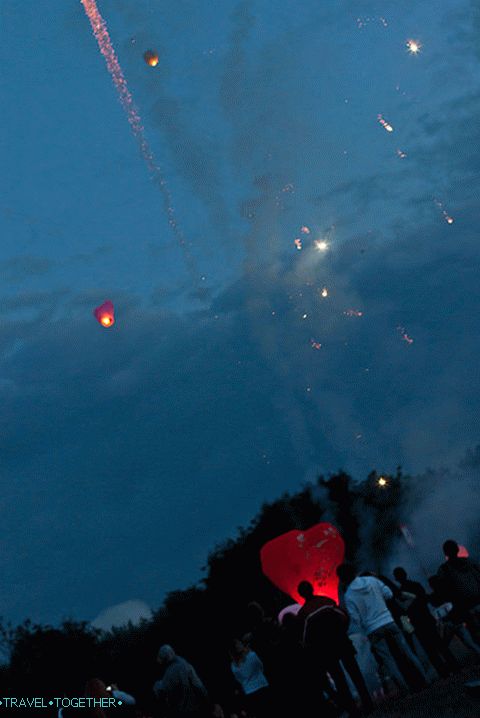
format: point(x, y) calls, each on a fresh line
point(306, 665)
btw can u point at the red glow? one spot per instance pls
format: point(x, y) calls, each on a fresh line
point(311, 555)
point(104, 314)
point(462, 552)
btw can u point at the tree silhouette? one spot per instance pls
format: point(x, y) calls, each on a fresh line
point(200, 621)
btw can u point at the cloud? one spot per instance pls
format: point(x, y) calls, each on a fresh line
point(235, 61)
point(31, 300)
point(17, 269)
point(166, 427)
point(132, 611)
point(191, 421)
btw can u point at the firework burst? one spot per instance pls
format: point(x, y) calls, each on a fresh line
point(413, 47)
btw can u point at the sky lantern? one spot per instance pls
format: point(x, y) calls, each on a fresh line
point(311, 555)
point(104, 314)
point(151, 58)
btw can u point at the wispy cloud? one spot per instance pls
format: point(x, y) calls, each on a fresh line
point(21, 267)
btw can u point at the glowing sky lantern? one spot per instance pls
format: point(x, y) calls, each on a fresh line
point(151, 58)
point(311, 555)
point(104, 314)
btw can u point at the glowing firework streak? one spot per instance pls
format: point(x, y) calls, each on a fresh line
point(321, 245)
point(315, 345)
point(102, 37)
point(401, 154)
point(298, 243)
point(384, 123)
point(353, 313)
point(324, 292)
point(405, 336)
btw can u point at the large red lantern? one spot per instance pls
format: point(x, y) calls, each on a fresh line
point(104, 314)
point(311, 555)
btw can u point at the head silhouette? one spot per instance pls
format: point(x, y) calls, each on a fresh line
point(450, 549)
point(400, 574)
point(165, 655)
point(305, 589)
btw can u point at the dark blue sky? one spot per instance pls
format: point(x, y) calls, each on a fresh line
point(128, 453)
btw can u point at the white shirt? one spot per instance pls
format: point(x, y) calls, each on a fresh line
point(250, 673)
point(365, 602)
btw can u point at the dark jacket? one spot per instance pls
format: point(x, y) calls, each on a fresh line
point(311, 606)
point(325, 634)
point(418, 611)
point(181, 690)
point(461, 579)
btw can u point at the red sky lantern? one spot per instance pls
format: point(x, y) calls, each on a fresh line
point(104, 314)
point(311, 555)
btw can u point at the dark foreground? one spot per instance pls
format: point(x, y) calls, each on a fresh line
point(444, 699)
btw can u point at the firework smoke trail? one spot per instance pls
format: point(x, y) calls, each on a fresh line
point(102, 37)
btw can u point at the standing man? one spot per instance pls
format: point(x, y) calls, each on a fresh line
point(365, 600)
point(325, 637)
point(180, 689)
point(425, 625)
point(461, 580)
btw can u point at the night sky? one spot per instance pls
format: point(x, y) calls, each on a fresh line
point(128, 453)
